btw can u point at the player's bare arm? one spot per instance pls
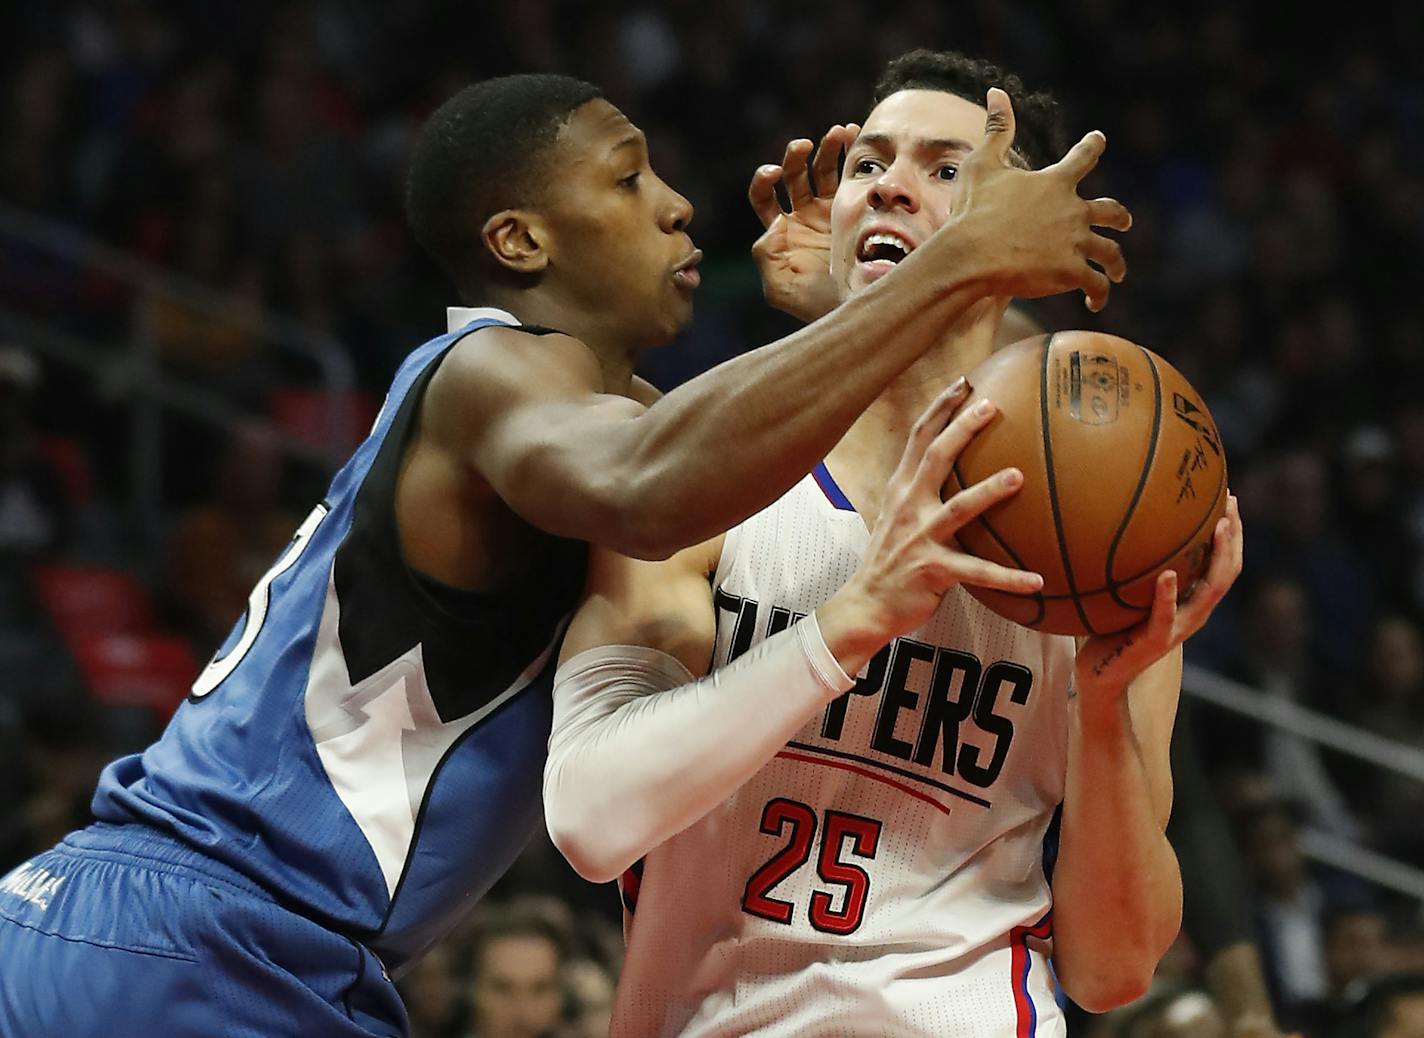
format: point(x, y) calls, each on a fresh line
point(528, 415)
point(1117, 888)
point(793, 253)
point(641, 748)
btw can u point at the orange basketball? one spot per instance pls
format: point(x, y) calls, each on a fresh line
point(1124, 477)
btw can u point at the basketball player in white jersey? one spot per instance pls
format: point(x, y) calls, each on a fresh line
point(807, 853)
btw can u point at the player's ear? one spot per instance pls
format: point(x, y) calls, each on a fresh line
point(516, 238)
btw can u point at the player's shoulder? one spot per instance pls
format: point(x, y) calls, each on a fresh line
point(498, 355)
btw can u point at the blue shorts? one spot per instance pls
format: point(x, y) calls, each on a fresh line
point(122, 932)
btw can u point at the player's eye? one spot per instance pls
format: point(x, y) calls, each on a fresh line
point(865, 167)
point(631, 180)
point(947, 172)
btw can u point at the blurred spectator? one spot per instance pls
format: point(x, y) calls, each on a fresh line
point(515, 956)
point(1390, 702)
point(432, 995)
point(220, 548)
point(1294, 912)
point(1392, 1007)
point(590, 997)
point(34, 511)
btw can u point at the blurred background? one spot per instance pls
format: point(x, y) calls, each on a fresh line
point(206, 283)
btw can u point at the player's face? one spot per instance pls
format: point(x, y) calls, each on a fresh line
point(896, 188)
point(620, 242)
point(516, 990)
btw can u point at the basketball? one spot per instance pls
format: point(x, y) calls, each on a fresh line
point(1124, 477)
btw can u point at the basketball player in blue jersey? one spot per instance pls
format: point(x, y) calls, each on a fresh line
point(362, 758)
point(803, 852)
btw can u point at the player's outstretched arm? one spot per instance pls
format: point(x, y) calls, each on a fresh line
point(647, 482)
point(1117, 888)
point(643, 745)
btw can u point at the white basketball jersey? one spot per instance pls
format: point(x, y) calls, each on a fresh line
point(886, 872)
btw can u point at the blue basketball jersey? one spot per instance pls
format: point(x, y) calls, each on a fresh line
point(367, 745)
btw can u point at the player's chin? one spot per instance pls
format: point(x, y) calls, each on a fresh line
point(677, 313)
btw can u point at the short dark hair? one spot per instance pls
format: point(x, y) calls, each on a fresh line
point(478, 153)
point(1039, 137)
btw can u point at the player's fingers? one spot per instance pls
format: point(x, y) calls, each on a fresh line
point(930, 425)
point(973, 501)
point(1226, 550)
point(940, 455)
point(1083, 156)
point(762, 194)
point(1238, 534)
point(1109, 212)
point(797, 174)
point(1107, 254)
point(970, 569)
point(1163, 618)
point(999, 129)
point(1096, 287)
point(825, 169)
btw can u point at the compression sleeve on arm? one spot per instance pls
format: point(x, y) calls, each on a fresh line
point(640, 749)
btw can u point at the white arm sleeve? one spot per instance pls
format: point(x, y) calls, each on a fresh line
point(640, 749)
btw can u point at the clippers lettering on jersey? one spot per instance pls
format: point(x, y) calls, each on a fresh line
point(938, 708)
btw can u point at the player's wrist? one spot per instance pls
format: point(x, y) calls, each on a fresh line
point(853, 628)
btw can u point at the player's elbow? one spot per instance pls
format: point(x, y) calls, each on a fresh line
point(1099, 990)
point(588, 851)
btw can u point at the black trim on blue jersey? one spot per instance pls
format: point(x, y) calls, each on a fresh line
point(881, 765)
point(473, 643)
point(434, 774)
point(830, 488)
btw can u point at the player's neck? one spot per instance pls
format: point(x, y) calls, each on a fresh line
point(867, 455)
point(615, 356)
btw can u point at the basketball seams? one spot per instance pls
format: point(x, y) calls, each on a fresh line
point(1108, 584)
point(1038, 599)
point(1053, 484)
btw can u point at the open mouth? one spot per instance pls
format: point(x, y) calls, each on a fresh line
point(885, 246)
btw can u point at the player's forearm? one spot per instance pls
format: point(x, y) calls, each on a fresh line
point(640, 751)
point(726, 444)
point(1117, 889)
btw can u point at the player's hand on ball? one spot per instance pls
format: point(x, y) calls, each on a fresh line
point(913, 558)
point(1039, 236)
point(793, 256)
point(1106, 664)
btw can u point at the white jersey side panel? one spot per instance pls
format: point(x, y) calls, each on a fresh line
point(884, 874)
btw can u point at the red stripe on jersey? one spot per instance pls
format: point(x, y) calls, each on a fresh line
point(632, 883)
point(808, 759)
point(1025, 1011)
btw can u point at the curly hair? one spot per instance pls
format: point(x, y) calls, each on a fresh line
point(1040, 136)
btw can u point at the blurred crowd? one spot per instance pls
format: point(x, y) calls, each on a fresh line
point(1275, 168)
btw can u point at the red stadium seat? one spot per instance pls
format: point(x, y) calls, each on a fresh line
point(154, 671)
point(90, 600)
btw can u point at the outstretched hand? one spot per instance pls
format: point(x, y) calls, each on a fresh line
point(793, 255)
point(1107, 664)
point(1039, 236)
point(913, 558)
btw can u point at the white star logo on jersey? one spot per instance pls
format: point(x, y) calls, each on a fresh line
point(381, 739)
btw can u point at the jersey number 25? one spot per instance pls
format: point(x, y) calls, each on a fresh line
point(790, 818)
